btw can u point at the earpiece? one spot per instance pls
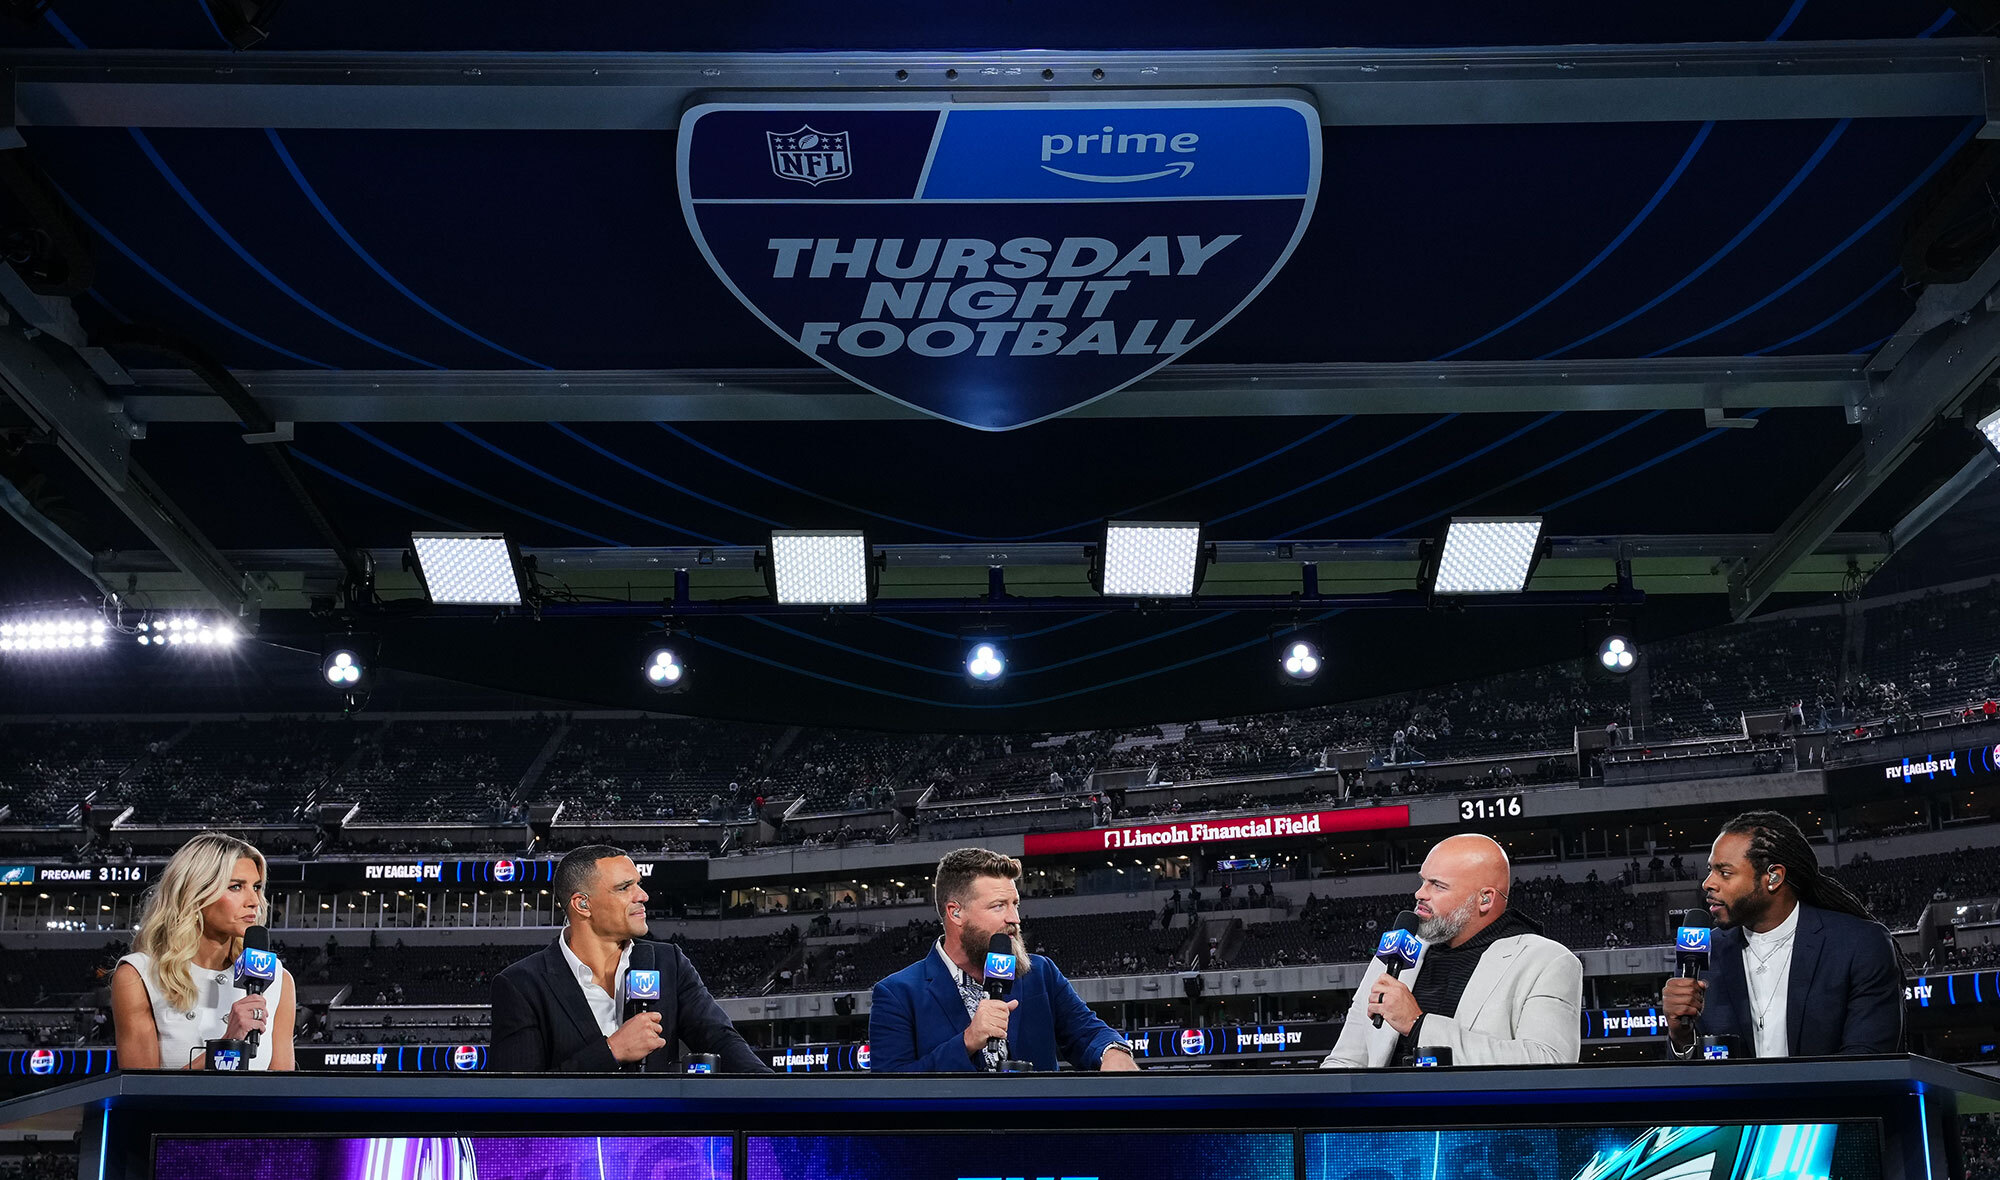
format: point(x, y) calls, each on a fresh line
point(1773, 879)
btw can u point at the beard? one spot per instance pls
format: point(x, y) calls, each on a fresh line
point(1019, 940)
point(1442, 928)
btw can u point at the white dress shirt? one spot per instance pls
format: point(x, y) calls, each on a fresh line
point(605, 1006)
point(1767, 970)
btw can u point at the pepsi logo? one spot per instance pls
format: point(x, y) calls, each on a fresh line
point(1194, 1042)
point(42, 1061)
point(861, 1057)
point(503, 870)
point(465, 1057)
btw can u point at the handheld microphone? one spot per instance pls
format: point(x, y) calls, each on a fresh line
point(1000, 968)
point(1398, 949)
point(1692, 931)
point(642, 984)
point(256, 970)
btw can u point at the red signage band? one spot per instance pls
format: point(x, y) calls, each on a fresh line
point(1201, 831)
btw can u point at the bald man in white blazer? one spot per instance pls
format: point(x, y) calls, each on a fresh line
point(1498, 992)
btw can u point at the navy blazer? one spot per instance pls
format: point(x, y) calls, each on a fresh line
point(918, 1020)
point(1845, 997)
point(542, 1023)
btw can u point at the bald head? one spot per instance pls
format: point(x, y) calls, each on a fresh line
point(1464, 888)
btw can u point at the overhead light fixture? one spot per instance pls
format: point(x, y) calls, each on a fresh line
point(665, 671)
point(1299, 662)
point(1488, 555)
point(1150, 559)
point(186, 632)
point(819, 567)
point(985, 664)
point(1989, 429)
point(347, 663)
point(468, 569)
point(57, 631)
point(1617, 654)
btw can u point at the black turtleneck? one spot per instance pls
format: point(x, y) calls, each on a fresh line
point(1447, 969)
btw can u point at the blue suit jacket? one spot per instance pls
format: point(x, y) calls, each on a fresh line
point(1845, 996)
point(918, 1021)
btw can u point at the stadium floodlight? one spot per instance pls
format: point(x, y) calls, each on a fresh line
point(186, 633)
point(1617, 654)
point(347, 664)
point(57, 631)
point(665, 671)
point(1989, 429)
point(1488, 554)
point(342, 668)
point(468, 569)
point(1299, 661)
point(985, 664)
point(819, 567)
point(1150, 559)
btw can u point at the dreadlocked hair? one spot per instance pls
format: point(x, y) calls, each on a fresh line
point(1776, 840)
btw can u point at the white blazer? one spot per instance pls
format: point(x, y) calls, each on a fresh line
point(1522, 1006)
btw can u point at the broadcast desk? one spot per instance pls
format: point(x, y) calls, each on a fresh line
point(1884, 1118)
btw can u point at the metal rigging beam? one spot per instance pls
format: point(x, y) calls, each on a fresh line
point(410, 395)
point(648, 92)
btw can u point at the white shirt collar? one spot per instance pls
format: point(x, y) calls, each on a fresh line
point(957, 976)
point(1776, 934)
point(583, 974)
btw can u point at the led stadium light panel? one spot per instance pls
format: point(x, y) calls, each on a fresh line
point(68, 631)
point(467, 569)
point(1151, 560)
point(820, 568)
point(1989, 428)
point(1488, 555)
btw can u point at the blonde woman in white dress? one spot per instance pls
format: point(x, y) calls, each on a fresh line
point(176, 991)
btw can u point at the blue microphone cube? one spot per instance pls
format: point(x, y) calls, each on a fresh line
point(1390, 946)
point(999, 966)
point(1692, 940)
point(642, 985)
point(260, 965)
point(1715, 1052)
point(229, 1059)
point(1412, 948)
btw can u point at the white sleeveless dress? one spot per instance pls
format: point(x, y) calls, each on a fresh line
point(185, 1034)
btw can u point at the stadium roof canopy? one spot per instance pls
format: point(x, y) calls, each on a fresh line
point(1709, 290)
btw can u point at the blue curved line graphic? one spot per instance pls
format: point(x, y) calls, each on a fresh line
point(1785, 25)
point(1871, 346)
point(1659, 194)
point(1126, 646)
point(1909, 190)
point(622, 461)
point(1950, 14)
point(1365, 459)
point(333, 223)
point(1791, 186)
point(210, 18)
point(1045, 533)
point(1636, 468)
point(462, 486)
point(1432, 474)
point(1525, 476)
point(180, 292)
point(1061, 696)
point(250, 260)
point(567, 486)
point(350, 481)
point(926, 669)
point(1065, 625)
point(1829, 321)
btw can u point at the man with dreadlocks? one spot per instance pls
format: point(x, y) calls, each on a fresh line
point(1799, 967)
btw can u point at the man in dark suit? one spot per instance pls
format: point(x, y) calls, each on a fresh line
point(935, 1016)
point(1799, 968)
point(560, 1010)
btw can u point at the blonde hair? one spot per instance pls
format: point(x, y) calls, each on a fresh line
point(170, 923)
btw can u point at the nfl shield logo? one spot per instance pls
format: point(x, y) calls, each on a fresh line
point(813, 157)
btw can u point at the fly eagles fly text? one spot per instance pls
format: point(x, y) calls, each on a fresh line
point(1019, 295)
